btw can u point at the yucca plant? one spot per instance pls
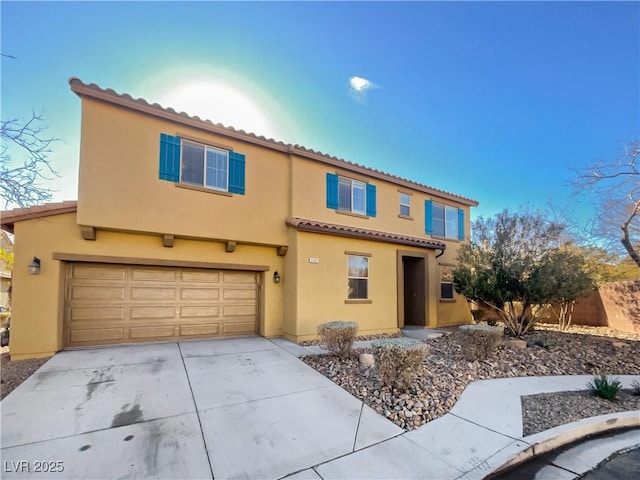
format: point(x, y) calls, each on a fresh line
point(635, 388)
point(604, 387)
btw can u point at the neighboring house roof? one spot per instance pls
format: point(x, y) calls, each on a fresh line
point(141, 105)
point(9, 217)
point(364, 233)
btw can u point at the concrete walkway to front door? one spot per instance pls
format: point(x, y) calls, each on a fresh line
point(236, 408)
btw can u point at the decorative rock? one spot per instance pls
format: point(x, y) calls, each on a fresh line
point(366, 359)
point(446, 372)
point(515, 343)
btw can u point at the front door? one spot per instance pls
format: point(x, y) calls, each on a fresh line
point(414, 290)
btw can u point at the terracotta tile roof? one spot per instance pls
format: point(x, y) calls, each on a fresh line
point(9, 217)
point(364, 233)
point(111, 96)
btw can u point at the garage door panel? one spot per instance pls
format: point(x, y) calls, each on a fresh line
point(152, 313)
point(194, 293)
point(210, 311)
point(208, 329)
point(92, 293)
point(239, 328)
point(99, 272)
point(109, 304)
point(239, 277)
point(199, 276)
point(139, 274)
point(238, 310)
point(96, 335)
point(96, 314)
point(152, 332)
point(239, 294)
point(153, 293)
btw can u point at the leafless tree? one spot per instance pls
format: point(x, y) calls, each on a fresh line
point(614, 185)
point(24, 161)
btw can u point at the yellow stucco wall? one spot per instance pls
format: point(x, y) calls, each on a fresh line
point(321, 288)
point(37, 317)
point(119, 159)
point(309, 201)
point(119, 169)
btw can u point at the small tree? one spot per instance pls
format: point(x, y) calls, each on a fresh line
point(496, 269)
point(562, 277)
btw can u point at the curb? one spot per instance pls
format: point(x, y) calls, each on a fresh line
point(544, 442)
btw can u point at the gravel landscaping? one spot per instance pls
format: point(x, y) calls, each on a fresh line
point(540, 411)
point(446, 372)
point(13, 373)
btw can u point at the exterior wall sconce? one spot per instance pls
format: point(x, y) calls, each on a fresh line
point(276, 277)
point(34, 266)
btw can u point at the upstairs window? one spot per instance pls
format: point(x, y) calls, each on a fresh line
point(204, 166)
point(444, 220)
point(191, 163)
point(405, 205)
point(349, 195)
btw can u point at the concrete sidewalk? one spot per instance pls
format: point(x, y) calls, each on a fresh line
point(249, 408)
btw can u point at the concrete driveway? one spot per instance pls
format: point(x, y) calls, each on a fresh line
point(235, 408)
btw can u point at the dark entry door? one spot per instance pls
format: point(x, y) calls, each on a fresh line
point(414, 290)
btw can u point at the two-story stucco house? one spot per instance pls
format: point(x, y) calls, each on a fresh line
point(186, 229)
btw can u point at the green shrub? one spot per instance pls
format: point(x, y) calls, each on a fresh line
point(337, 337)
point(398, 361)
point(635, 387)
point(604, 387)
point(479, 341)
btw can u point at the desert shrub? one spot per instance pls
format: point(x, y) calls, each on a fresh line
point(635, 387)
point(398, 362)
point(479, 341)
point(604, 387)
point(478, 314)
point(337, 337)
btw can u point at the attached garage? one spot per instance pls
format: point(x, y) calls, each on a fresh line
point(115, 303)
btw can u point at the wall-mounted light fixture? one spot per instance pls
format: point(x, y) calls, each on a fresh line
point(34, 266)
point(276, 277)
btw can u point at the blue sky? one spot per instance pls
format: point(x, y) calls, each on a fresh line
point(496, 101)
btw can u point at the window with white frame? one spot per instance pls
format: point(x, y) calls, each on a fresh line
point(204, 166)
point(445, 221)
point(446, 282)
point(352, 195)
point(405, 205)
point(358, 277)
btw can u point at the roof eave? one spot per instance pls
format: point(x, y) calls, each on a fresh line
point(375, 236)
point(140, 105)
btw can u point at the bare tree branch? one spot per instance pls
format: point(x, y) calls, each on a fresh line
point(20, 179)
point(614, 185)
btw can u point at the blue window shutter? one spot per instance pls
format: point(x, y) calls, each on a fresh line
point(428, 217)
point(236, 173)
point(169, 158)
point(371, 200)
point(460, 224)
point(332, 191)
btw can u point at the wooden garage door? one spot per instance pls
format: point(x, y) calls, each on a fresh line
point(109, 304)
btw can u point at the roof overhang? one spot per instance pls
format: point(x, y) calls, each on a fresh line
point(315, 226)
point(10, 217)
